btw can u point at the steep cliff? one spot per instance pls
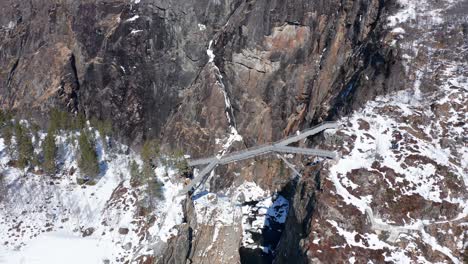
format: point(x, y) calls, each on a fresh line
point(144, 64)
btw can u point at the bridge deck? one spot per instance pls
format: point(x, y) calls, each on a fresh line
point(279, 146)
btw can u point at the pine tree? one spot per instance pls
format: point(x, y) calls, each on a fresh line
point(87, 162)
point(3, 118)
point(35, 132)
point(79, 122)
point(150, 151)
point(180, 162)
point(151, 185)
point(135, 173)
point(104, 127)
point(7, 135)
point(50, 152)
point(26, 155)
point(60, 120)
point(155, 189)
point(54, 120)
point(3, 189)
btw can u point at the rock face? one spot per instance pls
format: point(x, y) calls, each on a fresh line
point(115, 59)
point(144, 65)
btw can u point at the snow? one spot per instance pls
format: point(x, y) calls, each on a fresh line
point(405, 134)
point(64, 209)
point(398, 30)
point(432, 241)
point(398, 257)
point(58, 248)
point(209, 52)
point(136, 31)
point(135, 17)
point(60, 210)
point(408, 12)
point(213, 210)
point(233, 134)
point(170, 208)
point(227, 142)
point(201, 27)
point(11, 25)
point(259, 216)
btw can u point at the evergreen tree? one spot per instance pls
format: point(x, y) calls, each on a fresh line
point(180, 162)
point(79, 122)
point(60, 120)
point(87, 162)
point(7, 135)
point(154, 189)
point(50, 152)
point(135, 173)
point(151, 185)
point(26, 155)
point(149, 154)
point(104, 127)
point(3, 189)
point(54, 120)
point(35, 132)
point(150, 151)
point(3, 117)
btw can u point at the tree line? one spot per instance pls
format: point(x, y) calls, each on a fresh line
point(27, 139)
point(24, 133)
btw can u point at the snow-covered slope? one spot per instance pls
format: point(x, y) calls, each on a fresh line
point(47, 219)
point(399, 191)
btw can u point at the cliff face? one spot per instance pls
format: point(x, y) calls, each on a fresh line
point(144, 65)
point(115, 60)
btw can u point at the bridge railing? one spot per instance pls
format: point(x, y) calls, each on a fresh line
point(246, 154)
point(304, 133)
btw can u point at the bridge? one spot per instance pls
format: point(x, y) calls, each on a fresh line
point(276, 147)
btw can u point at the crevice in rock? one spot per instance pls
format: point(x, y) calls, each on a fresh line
point(12, 72)
point(74, 95)
point(295, 23)
point(301, 194)
point(268, 239)
point(248, 67)
point(190, 239)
